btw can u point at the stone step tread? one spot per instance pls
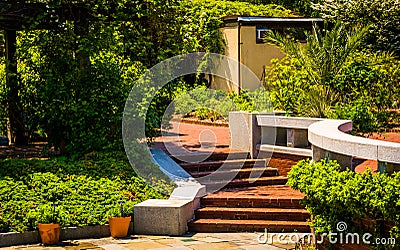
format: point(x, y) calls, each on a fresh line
point(218, 225)
point(252, 210)
point(272, 191)
point(233, 163)
point(264, 198)
point(216, 156)
point(268, 170)
point(272, 179)
point(252, 202)
point(249, 222)
point(235, 213)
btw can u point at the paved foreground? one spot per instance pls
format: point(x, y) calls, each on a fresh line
point(198, 241)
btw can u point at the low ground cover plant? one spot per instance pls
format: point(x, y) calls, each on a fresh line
point(84, 190)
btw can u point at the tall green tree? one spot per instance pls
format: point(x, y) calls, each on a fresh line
point(382, 16)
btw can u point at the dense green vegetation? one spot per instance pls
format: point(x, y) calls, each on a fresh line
point(334, 196)
point(86, 191)
point(382, 17)
point(332, 76)
point(216, 105)
point(73, 80)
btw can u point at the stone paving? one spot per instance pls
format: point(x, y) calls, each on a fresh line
point(197, 241)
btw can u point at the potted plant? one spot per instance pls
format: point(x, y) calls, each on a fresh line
point(119, 218)
point(48, 219)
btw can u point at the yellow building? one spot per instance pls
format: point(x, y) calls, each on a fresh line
point(244, 43)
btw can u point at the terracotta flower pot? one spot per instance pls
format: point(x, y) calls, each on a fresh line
point(49, 233)
point(119, 226)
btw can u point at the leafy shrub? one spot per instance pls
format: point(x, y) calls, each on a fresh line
point(47, 214)
point(333, 195)
point(383, 17)
point(202, 20)
point(359, 111)
point(214, 105)
point(84, 190)
point(315, 80)
point(303, 7)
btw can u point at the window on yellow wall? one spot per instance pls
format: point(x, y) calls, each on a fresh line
point(260, 34)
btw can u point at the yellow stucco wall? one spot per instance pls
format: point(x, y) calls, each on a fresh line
point(254, 56)
point(230, 35)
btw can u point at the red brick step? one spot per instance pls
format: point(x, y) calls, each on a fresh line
point(249, 182)
point(240, 173)
point(229, 164)
point(220, 226)
point(232, 213)
point(257, 201)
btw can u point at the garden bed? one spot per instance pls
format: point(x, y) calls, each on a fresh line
point(83, 189)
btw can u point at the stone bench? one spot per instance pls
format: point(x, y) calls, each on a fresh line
point(260, 134)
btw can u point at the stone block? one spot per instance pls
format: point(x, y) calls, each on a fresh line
point(297, 138)
point(162, 217)
point(189, 192)
point(344, 160)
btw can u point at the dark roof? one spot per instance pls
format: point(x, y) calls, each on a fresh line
point(273, 21)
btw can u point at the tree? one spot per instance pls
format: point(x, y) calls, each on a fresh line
point(382, 16)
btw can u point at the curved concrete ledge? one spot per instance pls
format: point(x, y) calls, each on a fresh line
point(286, 121)
point(330, 135)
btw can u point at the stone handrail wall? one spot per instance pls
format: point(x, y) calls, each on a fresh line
point(268, 132)
point(330, 140)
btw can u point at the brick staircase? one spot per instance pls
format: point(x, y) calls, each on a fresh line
point(246, 203)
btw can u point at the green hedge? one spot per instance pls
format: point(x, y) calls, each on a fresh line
point(333, 196)
point(84, 190)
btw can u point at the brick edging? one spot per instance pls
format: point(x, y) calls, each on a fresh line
point(201, 122)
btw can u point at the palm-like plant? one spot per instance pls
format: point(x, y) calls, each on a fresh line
point(322, 57)
point(325, 52)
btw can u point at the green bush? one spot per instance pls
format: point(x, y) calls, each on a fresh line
point(303, 7)
point(203, 18)
point(318, 81)
point(214, 105)
point(383, 17)
point(84, 190)
point(358, 111)
point(121, 209)
point(333, 195)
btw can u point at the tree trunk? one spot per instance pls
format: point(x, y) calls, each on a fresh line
point(15, 124)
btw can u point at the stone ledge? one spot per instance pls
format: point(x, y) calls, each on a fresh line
point(285, 122)
point(285, 150)
point(330, 135)
point(67, 233)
